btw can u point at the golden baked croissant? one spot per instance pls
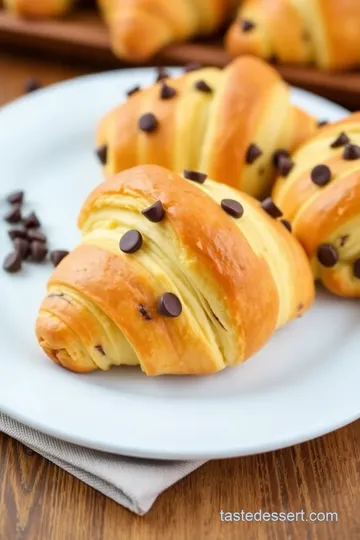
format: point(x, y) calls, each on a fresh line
point(177, 276)
point(39, 8)
point(227, 123)
point(324, 32)
point(140, 28)
point(321, 199)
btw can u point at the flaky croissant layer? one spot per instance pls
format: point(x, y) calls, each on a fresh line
point(321, 198)
point(179, 276)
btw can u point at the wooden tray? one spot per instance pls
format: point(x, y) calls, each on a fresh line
point(83, 37)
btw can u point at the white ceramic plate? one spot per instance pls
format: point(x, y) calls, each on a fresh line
point(304, 383)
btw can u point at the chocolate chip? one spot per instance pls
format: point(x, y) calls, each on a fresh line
point(233, 208)
point(155, 212)
point(148, 123)
point(169, 305)
point(12, 262)
point(32, 221)
point(247, 25)
point(192, 66)
point(270, 207)
point(131, 241)
point(287, 224)
point(34, 235)
point(22, 247)
point(133, 91)
point(167, 92)
point(101, 153)
point(351, 152)
point(321, 175)
point(203, 86)
point(38, 251)
point(252, 153)
point(327, 255)
point(343, 239)
point(143, 311)
point(285, 166)
point(357, 269)
point(340, 140)
point(57, 256)
point(195, 176)
point(31, 85)
point(14, 214)
point(17, 233)
point(100, 349)
point(16, 197)
point(162, 74)
point(281, 152)
point(322, 123)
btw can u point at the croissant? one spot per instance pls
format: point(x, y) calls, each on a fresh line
point(39, 8)
point(227, 123)
point(179, 276)
point(324, 32)
point(140, 28)
point(321, 198)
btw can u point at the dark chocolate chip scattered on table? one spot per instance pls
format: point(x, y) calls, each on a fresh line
point(232, 207)
point(195, 176)
point(270, 208)
point(57, 255)
point(327, 255)
point(17, 232)
point(16, 197)
point(131, 241)
point(169, 305)
point(155, 212)
point(321, 175)
point(14, 214)
point(38, 251)
point(12, 262)
point(32, 221)
point(148, 122)
point(22, 246)
point(162, 73)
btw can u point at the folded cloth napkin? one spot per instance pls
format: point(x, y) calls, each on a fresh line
point(135, 483)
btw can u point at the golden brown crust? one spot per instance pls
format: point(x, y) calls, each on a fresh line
point(210, 131)
point(140, 28)
point(232, 293)
point(39, 8)
point(322, 31)
point(329, 214)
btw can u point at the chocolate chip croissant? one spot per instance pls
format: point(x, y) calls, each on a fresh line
point(227, 123)
point(321, 198)
point(179, 276)
point(140, 28)
point(39, 8)
point(324, 32)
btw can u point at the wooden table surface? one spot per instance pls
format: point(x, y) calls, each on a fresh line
point(39, 501)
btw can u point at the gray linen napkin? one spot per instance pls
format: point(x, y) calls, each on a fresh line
point(132, 482)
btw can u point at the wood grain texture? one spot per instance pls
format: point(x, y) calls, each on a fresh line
point(39, 501)
point(84, 37)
